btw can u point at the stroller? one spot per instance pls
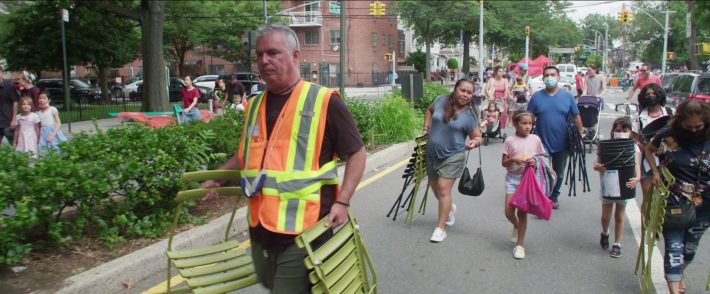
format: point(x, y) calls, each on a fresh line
point(590, 108)
point(492, 129)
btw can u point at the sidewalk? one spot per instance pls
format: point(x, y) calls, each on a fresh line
point(88, 126)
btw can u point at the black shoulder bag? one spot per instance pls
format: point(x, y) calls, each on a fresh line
point(682, 215)
point(472, 186)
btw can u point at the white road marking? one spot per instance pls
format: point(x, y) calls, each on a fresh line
point(634, 215)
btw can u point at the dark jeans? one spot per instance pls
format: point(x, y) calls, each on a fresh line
point(681, 245)
point(7, 133)
point(559, 161)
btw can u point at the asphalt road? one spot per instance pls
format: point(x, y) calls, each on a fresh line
point(563, 254)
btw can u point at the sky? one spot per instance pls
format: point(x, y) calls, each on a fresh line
point(584, 8)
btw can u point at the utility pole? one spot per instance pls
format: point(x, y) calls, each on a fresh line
point(527, 44)
point(266, 16)
point(481, 67)
point(341, 67)
point(65, 73)
point(665, 46)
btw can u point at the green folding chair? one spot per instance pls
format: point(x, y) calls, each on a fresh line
point(177, 112)
point(340, 265)
point(219, 268)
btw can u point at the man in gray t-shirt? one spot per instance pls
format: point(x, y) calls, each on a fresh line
point(594, 82)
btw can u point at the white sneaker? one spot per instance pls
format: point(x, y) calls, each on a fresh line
point(519, 252)
point(514, 235)
point(451, 220)
point(438, 235)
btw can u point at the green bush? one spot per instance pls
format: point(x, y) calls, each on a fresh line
point(362, 114)
point(393, 120)
point(431, 91)
point(122, 182)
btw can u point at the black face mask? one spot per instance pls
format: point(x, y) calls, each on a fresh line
point(687, 137)
point(652, 100)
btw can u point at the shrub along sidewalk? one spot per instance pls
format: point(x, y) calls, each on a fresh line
point(122, 182)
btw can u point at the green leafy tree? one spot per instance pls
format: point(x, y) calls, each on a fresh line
point(30, 41)
point(418, 60)
point(428, 29)
point(150, 15)
point(452, 63)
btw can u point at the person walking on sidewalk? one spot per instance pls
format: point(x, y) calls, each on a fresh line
point(292, 134)
point(518, 152)
point(552, 108)
point(498, 90)
point(646, 77)
point(447, 122)
point(9, 98)
point(684, 149)
point(621, 129)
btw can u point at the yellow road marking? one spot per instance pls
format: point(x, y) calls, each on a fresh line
point(162, 287)
point(381, 174)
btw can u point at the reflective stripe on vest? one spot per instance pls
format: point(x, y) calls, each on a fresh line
point(289, 201)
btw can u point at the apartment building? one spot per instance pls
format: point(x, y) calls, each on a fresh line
point(369, 38)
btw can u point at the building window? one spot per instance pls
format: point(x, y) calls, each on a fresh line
point(334, 37)
point(333, 70)
point(391, 43)
point(401, 46)
point(311, 37)
point(374, 41)
point(305, 70)
point(384, 39)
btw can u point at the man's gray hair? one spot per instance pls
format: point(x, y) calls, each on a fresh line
point(289, 35)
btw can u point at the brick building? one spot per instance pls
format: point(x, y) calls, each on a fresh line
point(369, 38)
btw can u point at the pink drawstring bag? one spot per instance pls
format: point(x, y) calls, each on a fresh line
point(530, 198)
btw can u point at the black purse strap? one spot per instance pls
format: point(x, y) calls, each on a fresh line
point(479, 156)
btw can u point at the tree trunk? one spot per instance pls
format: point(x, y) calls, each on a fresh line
point(692, 39)
point(155, 94)
point(466, 54)
point(428, 61)
point(103, 83)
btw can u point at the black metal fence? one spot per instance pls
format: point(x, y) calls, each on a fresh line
point(99, 109)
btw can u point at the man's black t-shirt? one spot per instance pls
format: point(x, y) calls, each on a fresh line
point(8, 95)
point(341, 138)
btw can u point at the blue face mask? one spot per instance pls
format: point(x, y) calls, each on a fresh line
point(550, 82)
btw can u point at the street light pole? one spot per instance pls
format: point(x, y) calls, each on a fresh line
point(266, 15)
point(606, 44)
point(341, 66)
point(481, 68)
point(527, 45)
point(665, 46)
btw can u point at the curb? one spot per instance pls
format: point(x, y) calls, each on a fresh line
point(108, 277)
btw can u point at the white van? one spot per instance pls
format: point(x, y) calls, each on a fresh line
point(567, 70)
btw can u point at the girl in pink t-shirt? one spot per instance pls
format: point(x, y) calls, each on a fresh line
point(518, 151)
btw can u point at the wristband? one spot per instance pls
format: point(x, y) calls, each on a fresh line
point(342, 203)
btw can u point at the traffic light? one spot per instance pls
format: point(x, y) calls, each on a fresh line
point(629, 16)
point(377, 8)
point(670, 55)
point(527, 30)
point(388, 57)
point(622, 16)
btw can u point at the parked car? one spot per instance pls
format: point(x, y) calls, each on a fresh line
point(174, 88)
point(206, 81)
point(702, 90)
point(246, 78)
point(681, 88)
point(132, 87)
point(79, 91)
point(667, 80)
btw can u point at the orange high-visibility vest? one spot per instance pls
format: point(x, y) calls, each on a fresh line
point(289, 201)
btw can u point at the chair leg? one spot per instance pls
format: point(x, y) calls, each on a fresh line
point(169, 276)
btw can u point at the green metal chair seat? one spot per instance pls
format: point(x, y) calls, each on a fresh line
point(340, 265)
point(218, 268)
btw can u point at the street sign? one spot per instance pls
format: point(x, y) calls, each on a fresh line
point(334, 7)
point(65, 15)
